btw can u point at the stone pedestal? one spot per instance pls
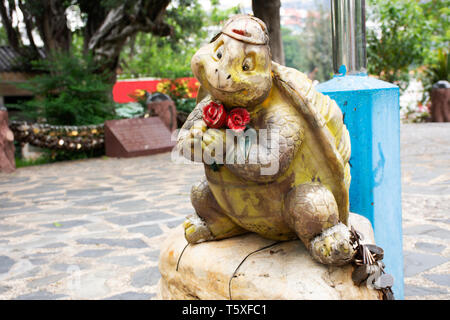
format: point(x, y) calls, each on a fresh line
point(228, 269)
point(7, 161)
point(440, 104)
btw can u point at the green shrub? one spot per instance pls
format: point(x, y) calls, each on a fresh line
point(186, 105)
point(69, 92)
point(129, 110)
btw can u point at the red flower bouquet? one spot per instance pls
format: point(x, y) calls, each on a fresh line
point(214, 115)
point(237, 119)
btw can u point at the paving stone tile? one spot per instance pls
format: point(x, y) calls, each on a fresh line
point(8, 227)
point(145, 277)
point(132, 296)
point(6, 263)
point(430, 247)
point(100, 201)
point(174, 223)
point(153, 255)
point(54, 245)
point(21, 233)
point(40, 295)
point(39, 189)
point(68, 268)
point(93, 253)
point(44, 197)
point(125, 243)
point(124, 261)
point(38, 262)
point(68, 211)
point(148, 231)
point(440, 279)
point(4, 289)
point(428, 230)
point(415, 263)
point(87, 191)
point(66, 224)
point(11, 204)
point(413, 290)
point(13, 180)
point(447, 221)
point(27, 274)
point(42, 282)
point(130, 219)
point(132, 205)
point(22, 210)
point(37, 255)
point(173, 197)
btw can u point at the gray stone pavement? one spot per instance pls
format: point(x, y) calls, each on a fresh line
point(91, 229)
point(425, 159)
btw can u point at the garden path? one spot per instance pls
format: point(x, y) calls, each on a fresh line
point(91, 229)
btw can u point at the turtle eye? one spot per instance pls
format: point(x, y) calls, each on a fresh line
point(248, 64)
point(219, 52)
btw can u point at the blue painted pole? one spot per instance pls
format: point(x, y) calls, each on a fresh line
point(372, 115)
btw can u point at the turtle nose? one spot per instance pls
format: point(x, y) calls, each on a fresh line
point(223, 79)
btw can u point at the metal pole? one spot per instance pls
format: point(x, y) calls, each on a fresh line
point(349, 36)
point(371, 109)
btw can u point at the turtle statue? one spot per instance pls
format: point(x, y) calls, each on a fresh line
point(308, 196)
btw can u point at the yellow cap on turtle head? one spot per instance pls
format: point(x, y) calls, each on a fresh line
point(246, 28)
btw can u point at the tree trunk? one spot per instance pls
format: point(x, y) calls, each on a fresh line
point(106, 32)
point(269, 12)
point(47, 16)
point(121, 23)
point(51, 23)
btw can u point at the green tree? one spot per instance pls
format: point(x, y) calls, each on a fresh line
point(106, 26)
point(69, 92)
point(169, 57)
point(294, 54)
point(407, 34)
point(3, 36)
point(310, 50)
point(437, 13)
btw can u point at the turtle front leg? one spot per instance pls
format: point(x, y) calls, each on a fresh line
point(209, 222)
point(311, 210)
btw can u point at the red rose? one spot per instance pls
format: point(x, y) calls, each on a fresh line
point(238, 118)
point(214, 115)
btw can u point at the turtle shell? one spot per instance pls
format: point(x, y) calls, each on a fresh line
point(325, 119)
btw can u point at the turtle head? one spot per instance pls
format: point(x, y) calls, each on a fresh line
point(235, 68)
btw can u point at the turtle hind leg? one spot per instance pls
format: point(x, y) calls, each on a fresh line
point(209, 222)
point(311, 210)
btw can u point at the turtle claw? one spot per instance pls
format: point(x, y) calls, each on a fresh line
point(333, 246)
point(196, 230)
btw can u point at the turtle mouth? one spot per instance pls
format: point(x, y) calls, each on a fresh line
point(205, 77)
point(222, 90)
